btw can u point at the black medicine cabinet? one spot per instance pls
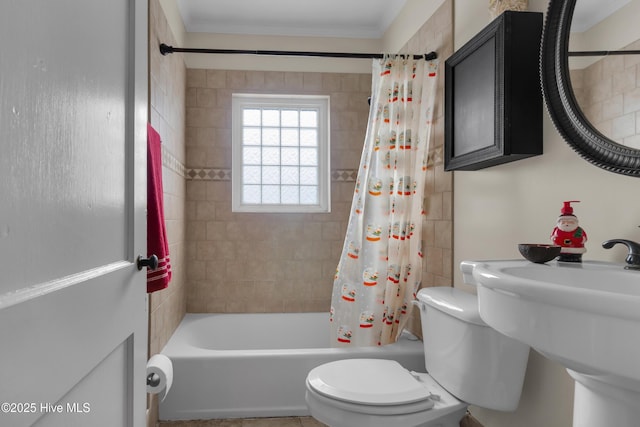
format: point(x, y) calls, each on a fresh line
point(493, 100)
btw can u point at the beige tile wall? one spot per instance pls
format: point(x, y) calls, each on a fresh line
point(242, 262)
point(437, 35)
point(608, 91)
point(166, 98)
point(286, 263)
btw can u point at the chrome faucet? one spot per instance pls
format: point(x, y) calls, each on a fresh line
point(633, 258)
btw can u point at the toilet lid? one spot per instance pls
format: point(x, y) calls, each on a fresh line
point(367, 381)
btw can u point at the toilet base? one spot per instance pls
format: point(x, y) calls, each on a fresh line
point(333, 416)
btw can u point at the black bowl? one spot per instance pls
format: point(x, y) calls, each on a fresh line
point(539, 253)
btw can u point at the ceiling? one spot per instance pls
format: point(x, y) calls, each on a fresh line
point(327, 18)
point(366, 19)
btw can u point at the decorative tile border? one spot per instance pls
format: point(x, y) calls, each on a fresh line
point(344, 175)
point(172, 163)
point(205, 174)
point(210, 174)
point(436, 157)
point(337, 175)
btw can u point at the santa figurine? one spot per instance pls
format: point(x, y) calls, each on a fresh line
point(569, 235)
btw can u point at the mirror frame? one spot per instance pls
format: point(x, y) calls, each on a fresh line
point(561, 102)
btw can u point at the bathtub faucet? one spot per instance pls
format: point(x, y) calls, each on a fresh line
point(633, 258)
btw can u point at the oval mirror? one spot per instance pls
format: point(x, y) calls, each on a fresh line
point(561, 101)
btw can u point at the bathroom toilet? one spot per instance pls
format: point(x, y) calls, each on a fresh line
point(467, 361)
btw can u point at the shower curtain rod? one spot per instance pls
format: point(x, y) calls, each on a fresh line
point(165, 50)
point(604, 52)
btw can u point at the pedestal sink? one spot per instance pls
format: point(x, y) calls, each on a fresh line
point(586, 316)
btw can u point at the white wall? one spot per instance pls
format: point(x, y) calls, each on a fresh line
point(409, 20)
point(497, 208)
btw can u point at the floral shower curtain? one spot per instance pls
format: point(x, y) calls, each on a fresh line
point(381, 264)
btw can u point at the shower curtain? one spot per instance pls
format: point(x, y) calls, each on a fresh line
point(380, 268)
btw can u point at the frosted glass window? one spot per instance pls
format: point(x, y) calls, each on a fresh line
point(271, 194)
point(280, 153)
point(251, 174)
point(290, 156)
point(308, 194)
point(308, 119)
point(270, 117)
point(251, 117)
point(290, 136)
point(271, 175)
point(251, 156)
point(309, 176)
point(290, 118)
point(290, 175)
point(251, 136)
point(270, 136)
point(308, 156)
point(290, 194)
point(309, 137)
point(270, 156)
point(251, 194)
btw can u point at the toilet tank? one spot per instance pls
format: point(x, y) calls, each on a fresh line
point(471, 360)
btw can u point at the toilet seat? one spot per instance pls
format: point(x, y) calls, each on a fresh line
point(371, 382)
point(378, 393)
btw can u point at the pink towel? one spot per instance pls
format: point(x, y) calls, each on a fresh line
point(156, 233)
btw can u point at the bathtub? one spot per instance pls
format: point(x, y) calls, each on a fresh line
point(255, 365)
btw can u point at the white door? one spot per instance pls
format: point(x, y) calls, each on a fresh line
point(73, 110)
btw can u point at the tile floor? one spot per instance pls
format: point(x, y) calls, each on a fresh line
point(247, 422)
point(467, 421)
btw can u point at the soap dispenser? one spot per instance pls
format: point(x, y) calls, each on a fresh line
point(569, 235)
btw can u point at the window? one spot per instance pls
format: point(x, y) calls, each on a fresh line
point(280, 153)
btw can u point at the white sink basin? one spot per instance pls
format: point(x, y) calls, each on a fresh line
point(584, 315)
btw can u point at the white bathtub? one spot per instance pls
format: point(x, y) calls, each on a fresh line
point(255, 365)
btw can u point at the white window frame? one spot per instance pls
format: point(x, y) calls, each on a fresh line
point(241, 101)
